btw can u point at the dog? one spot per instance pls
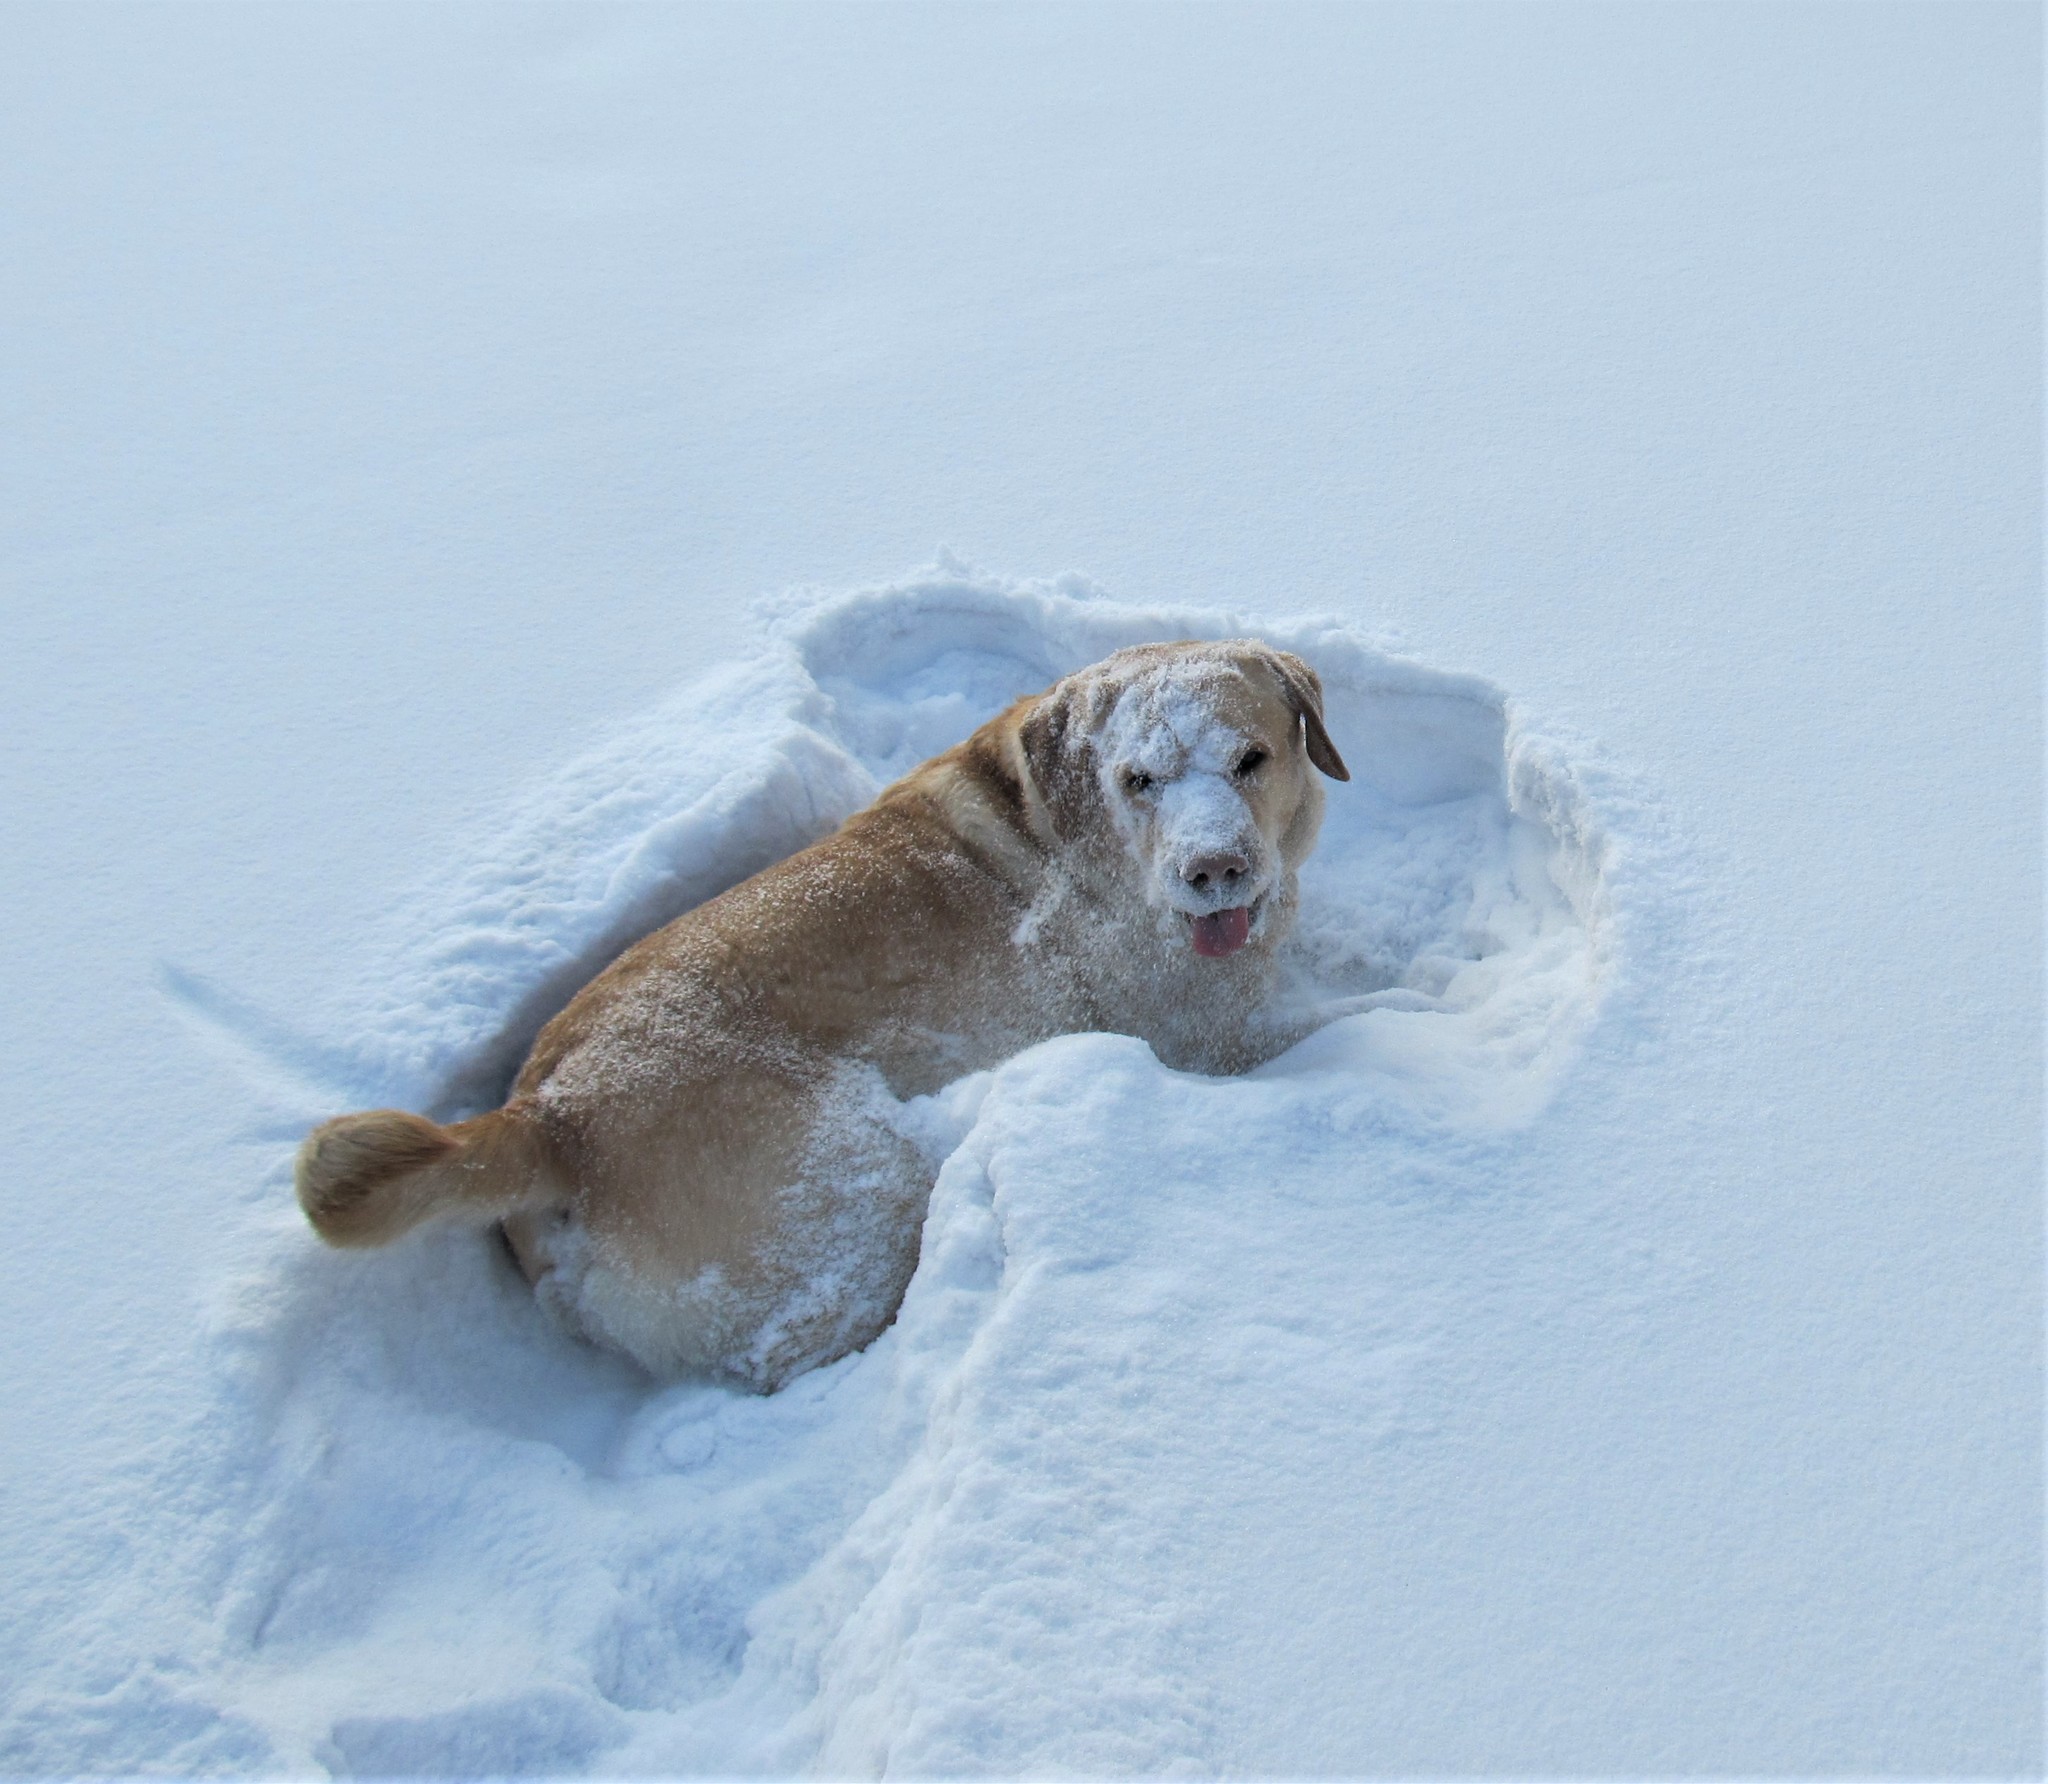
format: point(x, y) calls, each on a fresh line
point(704, 1163)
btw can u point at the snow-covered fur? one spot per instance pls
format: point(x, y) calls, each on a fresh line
point(703, 1162)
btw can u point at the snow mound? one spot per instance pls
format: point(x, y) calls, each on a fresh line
point(463, 1545)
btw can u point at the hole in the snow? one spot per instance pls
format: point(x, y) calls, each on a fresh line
point(425, 1438)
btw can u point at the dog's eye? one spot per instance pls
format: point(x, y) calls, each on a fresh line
point(1135, 781)
point(1249, 763)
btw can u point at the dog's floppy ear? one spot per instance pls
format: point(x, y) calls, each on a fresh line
point(1051, 740)
point(1305, 694)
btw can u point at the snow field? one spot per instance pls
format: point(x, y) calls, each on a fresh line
point(1648, 1384)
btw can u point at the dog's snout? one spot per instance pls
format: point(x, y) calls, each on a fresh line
point(1216, 873)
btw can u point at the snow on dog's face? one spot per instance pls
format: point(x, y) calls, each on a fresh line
point(1201, 759)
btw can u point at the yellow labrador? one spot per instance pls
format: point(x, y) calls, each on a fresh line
point(703, 1162)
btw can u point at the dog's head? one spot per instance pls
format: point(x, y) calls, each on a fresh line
point(1190, 768)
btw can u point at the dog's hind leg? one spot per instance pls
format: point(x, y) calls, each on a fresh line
point(365, 1179)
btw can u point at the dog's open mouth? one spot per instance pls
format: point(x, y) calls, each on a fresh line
point(1221, 933)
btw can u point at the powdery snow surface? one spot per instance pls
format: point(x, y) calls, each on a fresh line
point(1611, 1346)
point(1131, 1278)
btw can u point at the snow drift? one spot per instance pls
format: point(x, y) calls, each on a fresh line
point(472, 1546)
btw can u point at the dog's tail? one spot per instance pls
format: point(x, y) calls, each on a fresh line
point(365, 1179)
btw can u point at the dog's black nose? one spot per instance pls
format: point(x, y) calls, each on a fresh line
point(1215, 873)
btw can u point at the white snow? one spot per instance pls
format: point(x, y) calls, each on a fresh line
point(461, 472)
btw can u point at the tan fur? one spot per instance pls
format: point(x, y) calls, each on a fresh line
point(702, 1162)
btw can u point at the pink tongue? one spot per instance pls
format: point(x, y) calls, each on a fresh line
point(1224, 932)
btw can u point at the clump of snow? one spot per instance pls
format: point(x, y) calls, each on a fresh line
point(474, 1546)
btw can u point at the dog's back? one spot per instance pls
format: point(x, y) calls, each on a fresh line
point(702, 1162)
